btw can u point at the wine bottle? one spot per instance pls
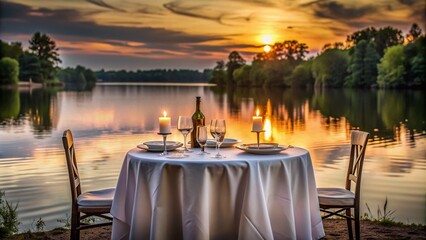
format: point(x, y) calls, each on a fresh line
point(198, 119)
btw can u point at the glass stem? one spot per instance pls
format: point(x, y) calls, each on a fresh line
point(184, 143)
point(218, 150)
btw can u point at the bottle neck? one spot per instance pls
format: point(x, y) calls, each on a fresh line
point(197, 106)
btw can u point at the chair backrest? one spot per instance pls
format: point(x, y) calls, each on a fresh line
point(359, 141)
point(74, 177)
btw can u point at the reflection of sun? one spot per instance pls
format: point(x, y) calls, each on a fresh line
point(267, 48)
point(266, 39)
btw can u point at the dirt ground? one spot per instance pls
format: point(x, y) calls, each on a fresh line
point(334, 229)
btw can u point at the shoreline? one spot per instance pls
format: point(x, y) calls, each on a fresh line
point(334, 229)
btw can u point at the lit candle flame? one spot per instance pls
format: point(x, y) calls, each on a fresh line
point(257, 113)
point(165, 114)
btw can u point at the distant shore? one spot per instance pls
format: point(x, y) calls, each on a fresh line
point(155, 84)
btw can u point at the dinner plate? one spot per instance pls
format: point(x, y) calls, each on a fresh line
point(261, 145)
point(155, 148)
point(263, 151)
point(152, 145)
point(227, 142)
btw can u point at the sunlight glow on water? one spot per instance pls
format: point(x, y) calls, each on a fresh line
point(110, 120)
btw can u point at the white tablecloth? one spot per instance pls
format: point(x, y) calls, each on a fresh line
point(243, 196)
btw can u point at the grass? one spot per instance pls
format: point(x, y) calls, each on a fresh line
point(8, 217)
point(385, 216)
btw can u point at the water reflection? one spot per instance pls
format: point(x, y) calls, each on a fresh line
point(380, 112)
point(110, 120)
point(39, 107)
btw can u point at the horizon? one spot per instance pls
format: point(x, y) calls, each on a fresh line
point(192, 35)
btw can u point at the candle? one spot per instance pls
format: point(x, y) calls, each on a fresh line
point(165, 123)
point(257, 123)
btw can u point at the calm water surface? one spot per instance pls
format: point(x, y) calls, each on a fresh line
point(111, 119)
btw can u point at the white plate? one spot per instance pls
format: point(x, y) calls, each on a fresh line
point(261, 145)
point(264, 151)
point(169, 147)
point(227, 142)
point(159, 145)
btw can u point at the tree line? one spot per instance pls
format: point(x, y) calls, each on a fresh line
point(157, 75)
point(370, 58)
point(39, 64)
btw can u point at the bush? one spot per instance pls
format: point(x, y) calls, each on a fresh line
point(9, 71)
point(8, 218)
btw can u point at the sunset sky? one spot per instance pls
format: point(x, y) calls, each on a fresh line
point(131, 34)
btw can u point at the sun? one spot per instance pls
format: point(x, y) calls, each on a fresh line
point(266, 39)
point(267, 48)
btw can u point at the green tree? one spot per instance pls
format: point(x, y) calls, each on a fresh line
point(235, 61)
point(330, 68)
point(30, 68)
point(45, 49)
point(415, 62)
point(13, 50)
point(362, 67)
point(9, 71)
point(79, 78)
point(382, 38)
point(301, 75)
point(218, 74)
point(242, 76)
point(391, 68)
point(258, 73)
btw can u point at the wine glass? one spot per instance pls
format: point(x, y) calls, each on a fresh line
point(202, 139)
point(185, 127)
point(218, 131)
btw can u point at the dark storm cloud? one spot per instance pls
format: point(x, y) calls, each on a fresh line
point(335, 10)
point(22, 19)
point(101, 3)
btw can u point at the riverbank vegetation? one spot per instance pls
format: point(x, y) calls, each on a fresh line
point(39, 64)
point(370, 58)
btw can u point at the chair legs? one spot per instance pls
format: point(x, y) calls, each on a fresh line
point(75, 226)
point(349, 222)
point(357, 226)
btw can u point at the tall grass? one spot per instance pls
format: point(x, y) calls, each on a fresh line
point(8, 217)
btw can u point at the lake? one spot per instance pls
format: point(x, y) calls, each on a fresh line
point(111, 119)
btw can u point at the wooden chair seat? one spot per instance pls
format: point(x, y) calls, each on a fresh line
point(335, 197)
point(99, 198)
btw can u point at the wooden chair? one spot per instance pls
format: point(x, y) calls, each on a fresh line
point(93, 203)
point(343, 199)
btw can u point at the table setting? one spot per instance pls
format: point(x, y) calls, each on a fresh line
point(166, 190)
point(217, 129)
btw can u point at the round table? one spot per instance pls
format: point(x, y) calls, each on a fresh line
point(242, 196)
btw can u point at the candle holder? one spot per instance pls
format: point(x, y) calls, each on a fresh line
point(164, 153)
point(258, 133)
